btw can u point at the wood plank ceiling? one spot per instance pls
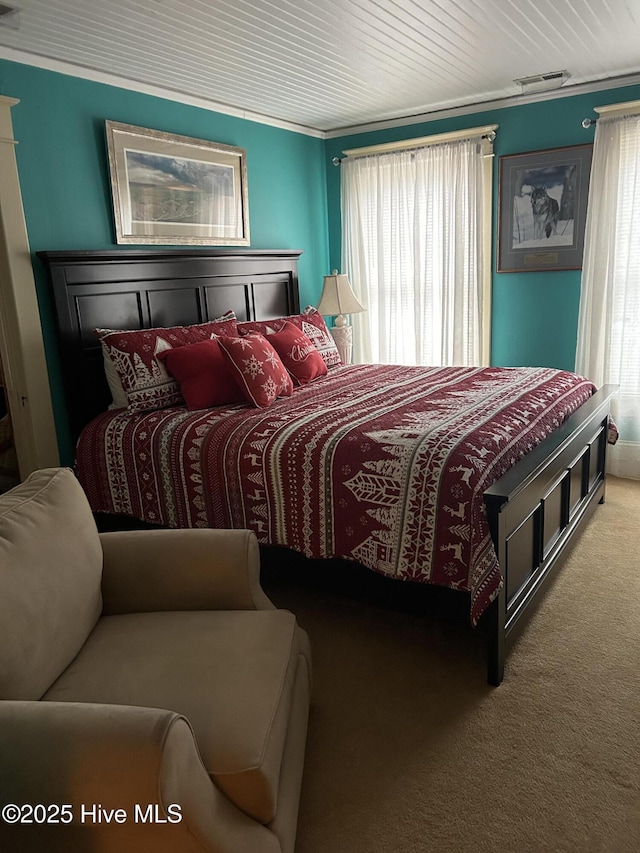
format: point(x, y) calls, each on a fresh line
point(331, 64)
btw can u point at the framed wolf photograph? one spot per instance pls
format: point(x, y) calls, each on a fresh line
point(170, 189)
point(542, 207)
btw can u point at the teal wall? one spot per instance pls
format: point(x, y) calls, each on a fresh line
point(294, 194)
point(534, 315)
point(62, 162)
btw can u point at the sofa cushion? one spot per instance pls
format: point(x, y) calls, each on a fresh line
point(50, 573)
point(230, 673)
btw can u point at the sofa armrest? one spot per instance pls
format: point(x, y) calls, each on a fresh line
point(154, 570)
point(140, 766)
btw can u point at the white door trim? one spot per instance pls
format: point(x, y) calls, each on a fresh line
point(21, 343)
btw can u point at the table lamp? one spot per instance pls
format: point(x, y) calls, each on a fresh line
point(337, 300)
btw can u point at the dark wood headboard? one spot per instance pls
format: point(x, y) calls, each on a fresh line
point(133, 289)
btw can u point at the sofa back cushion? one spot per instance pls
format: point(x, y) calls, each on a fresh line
point(50, 575)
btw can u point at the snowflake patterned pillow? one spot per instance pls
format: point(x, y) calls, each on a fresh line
point(145, 381)
point(311, 322)
point(257, 368)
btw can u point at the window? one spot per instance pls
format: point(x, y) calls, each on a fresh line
point(608, 348)
point(417, 247)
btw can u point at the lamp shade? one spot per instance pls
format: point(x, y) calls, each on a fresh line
point(338, 297)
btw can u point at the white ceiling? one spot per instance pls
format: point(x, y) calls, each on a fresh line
point(331, 64)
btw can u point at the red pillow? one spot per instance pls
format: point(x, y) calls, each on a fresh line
point(298, 354)
point(256, 367)
point(310, 322)
point(203, 375)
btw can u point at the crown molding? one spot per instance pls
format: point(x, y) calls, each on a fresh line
point(482, 106)
point(94, 76)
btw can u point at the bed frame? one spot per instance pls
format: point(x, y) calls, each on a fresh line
point(535, 511)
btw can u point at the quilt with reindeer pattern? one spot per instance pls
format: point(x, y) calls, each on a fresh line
point(381, 464)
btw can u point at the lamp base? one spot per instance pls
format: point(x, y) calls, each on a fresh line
point(343, 336)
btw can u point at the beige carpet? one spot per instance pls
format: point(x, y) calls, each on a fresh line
point(410, 750)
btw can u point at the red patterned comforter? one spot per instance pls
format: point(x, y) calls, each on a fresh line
point(383, 464)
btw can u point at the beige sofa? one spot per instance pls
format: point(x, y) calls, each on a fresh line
point(151, 696)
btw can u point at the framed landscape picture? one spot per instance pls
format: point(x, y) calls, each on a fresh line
point(542, 207)
point(171, 189)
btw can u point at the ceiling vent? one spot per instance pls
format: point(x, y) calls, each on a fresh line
point(9, 16)
point(542, 82)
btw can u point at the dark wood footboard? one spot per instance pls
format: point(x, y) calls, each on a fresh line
point(537, 509)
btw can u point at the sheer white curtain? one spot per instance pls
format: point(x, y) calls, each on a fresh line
point(608, 348)
point(414, 247)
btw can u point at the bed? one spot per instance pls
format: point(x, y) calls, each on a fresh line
point(472, 479)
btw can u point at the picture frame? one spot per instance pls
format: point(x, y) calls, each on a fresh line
point(173, 190)
point(542, 207)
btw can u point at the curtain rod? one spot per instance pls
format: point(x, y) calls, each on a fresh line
point(627, 108)
point(486, 132)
